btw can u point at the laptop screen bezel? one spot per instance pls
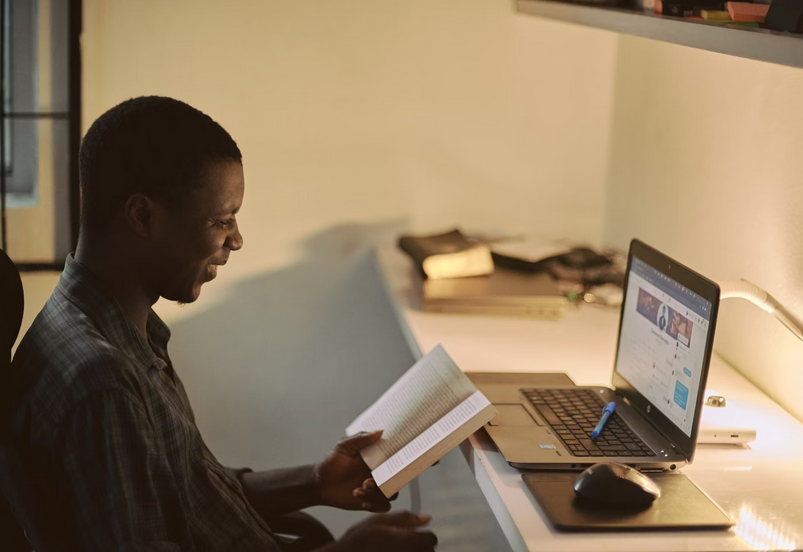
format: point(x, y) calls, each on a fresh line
point(707, 289)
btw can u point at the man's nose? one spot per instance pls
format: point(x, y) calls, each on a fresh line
point(235, 239)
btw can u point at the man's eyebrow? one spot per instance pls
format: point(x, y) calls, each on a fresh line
point(234, 212)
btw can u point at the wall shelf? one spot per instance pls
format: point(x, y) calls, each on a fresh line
point(760, 44)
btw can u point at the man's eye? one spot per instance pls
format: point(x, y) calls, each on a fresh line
point(222, 223)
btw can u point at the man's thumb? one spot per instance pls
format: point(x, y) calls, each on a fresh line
point(355, 443)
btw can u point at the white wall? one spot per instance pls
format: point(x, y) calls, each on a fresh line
point(425, 113)
point(706, 165)
point(357, 119)
point(420, 115)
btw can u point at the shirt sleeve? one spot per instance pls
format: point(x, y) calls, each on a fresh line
point(117, 483)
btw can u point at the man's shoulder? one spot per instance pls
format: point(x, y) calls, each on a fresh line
point(65, 358)
point(65, 338)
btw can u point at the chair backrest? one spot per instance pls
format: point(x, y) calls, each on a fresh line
point(12, 303)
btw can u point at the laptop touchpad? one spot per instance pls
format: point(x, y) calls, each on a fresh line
point(512, 415)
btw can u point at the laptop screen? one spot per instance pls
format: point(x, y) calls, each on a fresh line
point(663, 340)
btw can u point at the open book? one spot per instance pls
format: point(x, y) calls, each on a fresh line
point(430, 410)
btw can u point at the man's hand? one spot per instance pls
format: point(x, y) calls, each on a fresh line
point(344, 479)
point(389, 533)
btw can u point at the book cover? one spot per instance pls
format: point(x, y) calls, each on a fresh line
point(747, 12)
point(448, 255)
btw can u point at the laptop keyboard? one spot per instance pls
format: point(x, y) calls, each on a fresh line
point(574, 413)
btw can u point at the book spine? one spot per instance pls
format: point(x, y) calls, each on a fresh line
point(416, 250)
point(553, 311)
point(687, 8)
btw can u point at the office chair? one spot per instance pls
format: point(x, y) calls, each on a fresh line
point(12, 303)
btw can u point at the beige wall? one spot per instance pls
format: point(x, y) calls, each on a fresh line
point(706, 165)
point(385, 115)
point(421, 115)
point(377, 115)
point(428, 114)
point(357, 119)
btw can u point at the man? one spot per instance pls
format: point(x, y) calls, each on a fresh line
point(104, 420)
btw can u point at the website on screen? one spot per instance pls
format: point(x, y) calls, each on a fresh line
point(662, 344)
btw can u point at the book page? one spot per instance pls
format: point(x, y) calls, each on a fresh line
point(431, 437)
point(423, 395)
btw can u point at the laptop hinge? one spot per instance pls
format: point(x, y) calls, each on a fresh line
point(655, 427)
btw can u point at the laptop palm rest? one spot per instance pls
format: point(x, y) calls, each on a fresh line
point(512, 415)
point(514, 431)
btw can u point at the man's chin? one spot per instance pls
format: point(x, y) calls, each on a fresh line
point(191, 290)
point(184, 298)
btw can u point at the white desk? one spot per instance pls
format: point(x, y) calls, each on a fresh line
point(760, 485)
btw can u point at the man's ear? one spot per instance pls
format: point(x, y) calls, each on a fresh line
point(139, 213)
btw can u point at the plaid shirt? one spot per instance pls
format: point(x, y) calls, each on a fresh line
point(116, 452)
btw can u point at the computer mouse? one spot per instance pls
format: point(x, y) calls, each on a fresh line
point(615, 483)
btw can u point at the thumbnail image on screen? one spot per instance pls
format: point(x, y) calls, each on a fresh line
point(666, 318)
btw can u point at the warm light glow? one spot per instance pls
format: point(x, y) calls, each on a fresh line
point(761, 535)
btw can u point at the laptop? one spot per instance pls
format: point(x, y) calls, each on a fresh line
point(666, 335)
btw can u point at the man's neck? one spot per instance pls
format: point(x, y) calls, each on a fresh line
point(120, 277)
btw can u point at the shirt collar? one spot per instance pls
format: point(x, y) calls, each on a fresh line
point(82, 288)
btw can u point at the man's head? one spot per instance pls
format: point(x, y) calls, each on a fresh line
point(166, 181)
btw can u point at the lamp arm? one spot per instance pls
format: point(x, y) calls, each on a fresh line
point(742, 289)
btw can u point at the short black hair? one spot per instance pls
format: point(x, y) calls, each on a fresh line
point(152, 145)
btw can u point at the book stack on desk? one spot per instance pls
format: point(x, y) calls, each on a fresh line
point(686, 8)
point(504, 293)
point(476, 285)
point(449, 255)
point(744, 14)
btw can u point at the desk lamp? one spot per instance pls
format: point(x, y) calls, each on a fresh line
point(742, 289)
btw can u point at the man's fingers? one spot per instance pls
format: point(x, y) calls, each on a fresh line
point(404, 519)
point(375, 504)
point(373, 500)
point(425, 540)
point(351, 446)
point(376, 507)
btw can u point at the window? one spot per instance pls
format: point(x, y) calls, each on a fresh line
point(20, 140)
point(40, 67)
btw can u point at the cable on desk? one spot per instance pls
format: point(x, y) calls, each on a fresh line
point(415, 496)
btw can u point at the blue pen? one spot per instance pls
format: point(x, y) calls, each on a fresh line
point(606, 413)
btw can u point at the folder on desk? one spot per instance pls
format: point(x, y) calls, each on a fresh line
point(506, 292)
